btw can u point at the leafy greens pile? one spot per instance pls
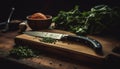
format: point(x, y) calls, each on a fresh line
point(22, 52)
point(95, 21)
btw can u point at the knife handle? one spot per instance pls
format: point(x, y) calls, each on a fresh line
point(94, 44)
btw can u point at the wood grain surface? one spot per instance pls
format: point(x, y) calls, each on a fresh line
point(47, 60)
point(78, 50)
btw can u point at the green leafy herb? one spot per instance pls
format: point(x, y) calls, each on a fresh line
point(48, 40)
point(100, 18)
point(22, 52)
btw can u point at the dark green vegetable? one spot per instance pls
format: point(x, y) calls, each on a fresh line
point(100, 18)
point(22, 52)
point(70, 21)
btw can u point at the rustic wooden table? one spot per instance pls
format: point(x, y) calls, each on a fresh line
point(44, 61)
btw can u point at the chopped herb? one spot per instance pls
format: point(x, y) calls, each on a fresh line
point(48, 40)
point(22, 52)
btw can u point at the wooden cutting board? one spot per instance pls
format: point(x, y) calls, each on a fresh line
point(72, 50)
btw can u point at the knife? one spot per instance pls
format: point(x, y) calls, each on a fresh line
point(94, 44)
point(8, 21)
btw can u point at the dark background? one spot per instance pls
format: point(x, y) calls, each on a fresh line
point(51, 7)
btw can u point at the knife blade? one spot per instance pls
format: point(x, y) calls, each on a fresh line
point(94, 44)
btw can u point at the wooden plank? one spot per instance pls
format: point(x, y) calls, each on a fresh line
point(78, 50)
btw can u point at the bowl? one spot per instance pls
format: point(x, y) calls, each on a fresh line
point(39, 24)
